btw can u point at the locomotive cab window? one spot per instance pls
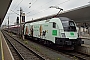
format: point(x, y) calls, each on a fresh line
point(71, 23)
point(54, 25)
point(68, 25)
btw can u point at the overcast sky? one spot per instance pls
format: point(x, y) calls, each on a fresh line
point(40, 8)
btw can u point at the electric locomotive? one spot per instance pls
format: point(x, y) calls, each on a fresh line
point(60, 31)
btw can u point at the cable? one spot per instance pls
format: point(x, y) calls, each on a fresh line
point(63, 2)
point(48, 8)
point(40, 6)
point(38, 12)
point(34, 2)
point(18, 4)
point(15, 12)
point(12, 6)
point(15, 3)
point(31, 3)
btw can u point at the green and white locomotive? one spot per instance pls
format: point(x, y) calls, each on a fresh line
point(60, 31)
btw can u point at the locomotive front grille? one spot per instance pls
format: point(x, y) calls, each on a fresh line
point(67, 41)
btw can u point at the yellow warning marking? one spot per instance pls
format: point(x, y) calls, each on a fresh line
point(3, 56)
point(1, 47)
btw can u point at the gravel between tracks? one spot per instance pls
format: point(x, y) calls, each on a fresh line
point(15, 55)
point(46, 52)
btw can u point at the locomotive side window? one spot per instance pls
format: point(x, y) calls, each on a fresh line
point(71, 23)
point(72, 26)
point(54, 25)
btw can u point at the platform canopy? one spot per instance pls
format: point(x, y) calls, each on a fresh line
point(80, 14)
point(4, 6)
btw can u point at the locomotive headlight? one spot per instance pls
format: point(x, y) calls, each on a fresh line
point(63, 35)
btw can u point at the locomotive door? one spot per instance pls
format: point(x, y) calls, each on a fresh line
point(31, 31)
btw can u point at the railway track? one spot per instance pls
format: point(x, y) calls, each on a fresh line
point(14, 52)
point(23, 52)
point(76, 55)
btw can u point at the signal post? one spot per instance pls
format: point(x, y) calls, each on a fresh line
point(22, 20)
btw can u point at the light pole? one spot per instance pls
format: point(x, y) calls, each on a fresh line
point(20, 21)
point(20, 31)
point(60, 9)
point(8, 23)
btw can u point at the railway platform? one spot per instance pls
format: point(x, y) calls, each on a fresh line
point(5, 53)
point(85, 36)
point(84, 48)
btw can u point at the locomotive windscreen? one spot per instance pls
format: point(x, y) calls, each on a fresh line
point(68, 25)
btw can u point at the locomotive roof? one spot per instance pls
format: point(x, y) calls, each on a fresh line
point(64, 18)
point(41, 19)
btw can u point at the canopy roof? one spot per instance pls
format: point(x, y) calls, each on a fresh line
point(79, 15)
point(4, 6)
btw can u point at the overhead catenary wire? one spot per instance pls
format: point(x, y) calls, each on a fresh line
point(63, 2)
point(40, 6)
point(34, 2)
point(16, 7)
point(15, 3)
point(48, 8)
point(38, 12)
point(14, 12)
point(31, 4)
point(12, 6)
point(12, 9)
point(18, 4)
